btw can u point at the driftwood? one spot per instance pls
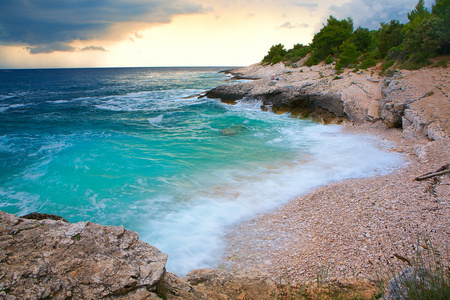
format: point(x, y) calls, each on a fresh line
point(441, 171)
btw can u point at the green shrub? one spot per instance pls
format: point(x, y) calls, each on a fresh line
point(416, 61)
point(328, 60)
point(396, 53)
point(312, 60)
point(275, 54)
point(441, 63)
point(298, 52)
point(367, 63)
point(349, 55)
point(387, 64)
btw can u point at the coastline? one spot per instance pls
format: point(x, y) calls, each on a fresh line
point(355, 228)
point(352, 228)
point(349, 229)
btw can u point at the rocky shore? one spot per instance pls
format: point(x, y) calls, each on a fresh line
point(350, 230)
point(356, 228)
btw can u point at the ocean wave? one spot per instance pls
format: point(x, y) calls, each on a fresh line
point(58, 101)
point(4, 108)
point(150, 101)
point(9, 96)
point(156, 121)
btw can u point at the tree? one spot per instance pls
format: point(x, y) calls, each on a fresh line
point(426, 38)
point(420, 11)
point(275, 54)
point(441, 9)
point(389, 36)
point(362, 38)
point(331, 36)
point(349, 55)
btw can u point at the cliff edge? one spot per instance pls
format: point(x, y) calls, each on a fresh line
point(416, 101)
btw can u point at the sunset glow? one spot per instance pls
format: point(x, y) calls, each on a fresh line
point(113, 33)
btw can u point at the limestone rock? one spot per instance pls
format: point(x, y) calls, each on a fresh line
point(216, 284)
point(54, 259)
point(416, 101)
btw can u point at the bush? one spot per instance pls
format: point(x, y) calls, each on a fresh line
point(298, 52)
point(275, 54)
point(328, 60)
point(367, 63)
point(416, 61)
point(441, 63)
point(312, 60)
point(349, 55)
point(387, 64)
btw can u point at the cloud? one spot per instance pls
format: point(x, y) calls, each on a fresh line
point(49, 25)
point(369, 13)
point(94, 48)
point(51, 47)
point(288, 25)
point(311, 6)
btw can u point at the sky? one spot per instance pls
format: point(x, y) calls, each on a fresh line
point(154, 33)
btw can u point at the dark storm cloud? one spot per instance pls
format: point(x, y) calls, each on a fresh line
point(369, 13)
point(51, 25)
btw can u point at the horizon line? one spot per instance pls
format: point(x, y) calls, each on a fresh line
point(80, 68)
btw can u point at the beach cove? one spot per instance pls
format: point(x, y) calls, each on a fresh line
point(351, 226)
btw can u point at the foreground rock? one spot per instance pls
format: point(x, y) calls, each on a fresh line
point(42, 259)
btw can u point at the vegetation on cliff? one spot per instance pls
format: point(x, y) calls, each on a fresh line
point(410, 45)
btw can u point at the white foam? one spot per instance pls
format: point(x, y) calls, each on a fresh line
point(25, 202)
point(58, 101)
point(150, 101)
point(12, 106)
point(192, 232)
point(156, 121)
point(9, 96)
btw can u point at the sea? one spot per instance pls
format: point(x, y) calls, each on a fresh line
point(139, 148)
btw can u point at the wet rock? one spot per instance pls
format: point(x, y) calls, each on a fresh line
point(324, 106)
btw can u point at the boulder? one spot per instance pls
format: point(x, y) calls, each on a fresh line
point(41, 259)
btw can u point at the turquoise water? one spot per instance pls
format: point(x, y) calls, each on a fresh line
point(130, 147)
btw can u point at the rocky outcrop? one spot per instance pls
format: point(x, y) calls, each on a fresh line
point(43, 256)
point(416, 101)
point(211, 284)
point(48, 259)
point(326, 107)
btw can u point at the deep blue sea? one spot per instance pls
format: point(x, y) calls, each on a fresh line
point(132, 147)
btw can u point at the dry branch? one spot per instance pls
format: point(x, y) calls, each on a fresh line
point(441, 171)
